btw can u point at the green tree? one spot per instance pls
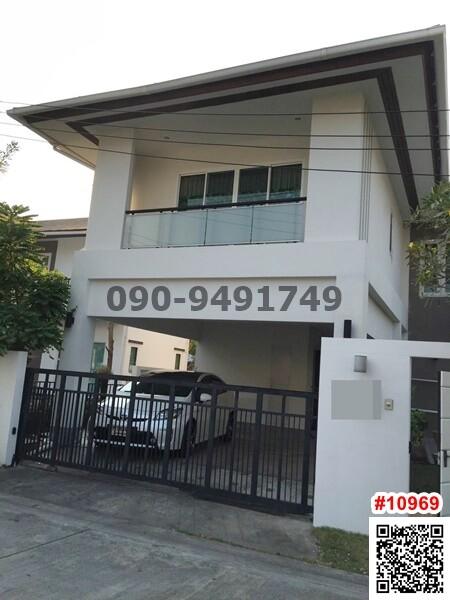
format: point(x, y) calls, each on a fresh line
point(33, 300)
point(5, 155)
point(432, 220)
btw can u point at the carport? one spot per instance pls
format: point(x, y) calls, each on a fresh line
point(267, 460)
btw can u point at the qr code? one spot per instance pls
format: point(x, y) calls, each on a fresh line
point(409, 556)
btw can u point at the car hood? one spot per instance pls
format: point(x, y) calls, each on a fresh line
point(144, 407)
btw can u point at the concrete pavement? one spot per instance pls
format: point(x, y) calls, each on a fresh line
point(71, 535)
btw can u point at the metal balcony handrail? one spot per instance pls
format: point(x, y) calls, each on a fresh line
point(213, 206)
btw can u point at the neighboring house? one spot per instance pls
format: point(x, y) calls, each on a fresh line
point(259, 208)
point(429, 320)
point(134, 349)
point(429, 307)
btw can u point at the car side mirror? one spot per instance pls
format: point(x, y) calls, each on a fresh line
point(205, 397)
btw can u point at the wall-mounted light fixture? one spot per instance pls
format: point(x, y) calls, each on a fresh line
point(70, 318)
point(360, 363)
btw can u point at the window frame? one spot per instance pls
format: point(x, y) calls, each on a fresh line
point(96, 346)
point(205, 186)
point(130, 364)
point(236, 176)
point(47, 259)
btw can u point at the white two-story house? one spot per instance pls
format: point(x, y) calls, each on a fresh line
point(259, 208)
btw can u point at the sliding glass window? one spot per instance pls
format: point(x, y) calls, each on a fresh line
point(192, 191)
point(219, 187)
point(270, 183)
point(209, 188)
point(285, 182)
point(256, 184)
point(253, 184)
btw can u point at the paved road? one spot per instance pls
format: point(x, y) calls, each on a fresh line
point(51, 549)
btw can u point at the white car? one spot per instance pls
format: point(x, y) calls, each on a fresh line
point(188, 422)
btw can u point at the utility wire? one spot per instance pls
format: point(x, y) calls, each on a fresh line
point(221, 162)
point(127, 110)
point(228, 145)
point(245, 133)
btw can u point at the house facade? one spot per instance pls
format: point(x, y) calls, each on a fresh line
point(134, 350)
point(256, 209)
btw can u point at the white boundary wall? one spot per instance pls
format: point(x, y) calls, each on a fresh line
point(355, 457)
point(12, 374)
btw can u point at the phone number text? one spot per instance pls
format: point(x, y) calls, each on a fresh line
point(240, 298)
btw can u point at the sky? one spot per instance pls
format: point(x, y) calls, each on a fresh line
point(56, 49)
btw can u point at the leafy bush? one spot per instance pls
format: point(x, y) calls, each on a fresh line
point(33, 300)
point(432, 219)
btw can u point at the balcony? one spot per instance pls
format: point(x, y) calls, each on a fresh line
point(215, 225)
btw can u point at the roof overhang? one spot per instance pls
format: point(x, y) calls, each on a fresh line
point(408, 71)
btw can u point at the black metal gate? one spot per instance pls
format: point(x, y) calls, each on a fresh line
point(240, 444)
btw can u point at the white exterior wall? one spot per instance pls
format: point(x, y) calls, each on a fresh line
point(156, 181)
point(357, 458)
point(334, 251)
point(379, 324)
point(267, 355)
point(65, 251)
point(388, 270)
point(110, 193)
point(333, 204)
point(12, 375)
point(383, 203)
point(155, 351)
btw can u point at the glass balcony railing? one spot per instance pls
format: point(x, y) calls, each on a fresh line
point(255, 223)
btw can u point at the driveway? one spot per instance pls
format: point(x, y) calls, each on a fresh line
point(74, 535)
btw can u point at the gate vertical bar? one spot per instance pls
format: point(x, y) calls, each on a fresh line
point(168, 438)
point(306, 451)
point(257, 447)
point(57, 428)
point(189, 434)
point(92, 408)
point(26, 399)
point(210, 447)
point(280, 448)
point(131, 404)
point(233, 440)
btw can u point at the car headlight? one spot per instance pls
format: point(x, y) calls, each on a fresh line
point(163, 414)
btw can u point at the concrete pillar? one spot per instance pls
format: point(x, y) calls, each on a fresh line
point(76, 354)
point(12, 375)
point(111, 193)
point(334, 197)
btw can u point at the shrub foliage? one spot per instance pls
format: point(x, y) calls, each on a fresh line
point(33, 300)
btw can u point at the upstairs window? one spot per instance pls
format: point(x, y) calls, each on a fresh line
point(192, 191)
point(256, 184)
point(253, 184)
point(285, 182)
point(219, 187)
point(270, 183)
point(208, 188)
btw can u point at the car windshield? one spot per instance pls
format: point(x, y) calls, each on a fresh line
point(159, 385)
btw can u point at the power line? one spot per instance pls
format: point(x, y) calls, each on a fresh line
point(221, 162)
point(87, 123)
point(228, 145)
point(149, 111)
